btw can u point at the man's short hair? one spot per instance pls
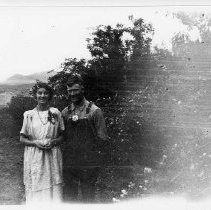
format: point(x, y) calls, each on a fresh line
point(75, 78)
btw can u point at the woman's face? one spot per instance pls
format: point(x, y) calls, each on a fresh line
point(42, 96)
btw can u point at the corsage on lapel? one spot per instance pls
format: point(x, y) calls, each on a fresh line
point(73, 117)
point(52, 116)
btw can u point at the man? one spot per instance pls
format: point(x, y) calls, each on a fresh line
point(85, 133)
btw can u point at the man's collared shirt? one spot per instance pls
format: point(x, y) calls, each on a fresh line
point(94, 114)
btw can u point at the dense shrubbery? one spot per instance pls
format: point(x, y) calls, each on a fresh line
point(8, 127)
point(18, 105)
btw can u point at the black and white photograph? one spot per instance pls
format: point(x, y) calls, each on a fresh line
point(105, 103)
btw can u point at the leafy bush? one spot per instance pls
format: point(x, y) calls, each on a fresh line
point(18, 105)
point(8, 127)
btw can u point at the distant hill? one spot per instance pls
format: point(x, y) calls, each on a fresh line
point(28, 79)
point(20, 84)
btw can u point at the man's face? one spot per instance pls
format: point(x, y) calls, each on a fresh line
point(75, 93)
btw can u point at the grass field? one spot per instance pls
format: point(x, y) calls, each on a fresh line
point(11, 154)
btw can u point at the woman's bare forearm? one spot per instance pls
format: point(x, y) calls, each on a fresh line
point(37, 143)
point(34, 143)
point(26, 141)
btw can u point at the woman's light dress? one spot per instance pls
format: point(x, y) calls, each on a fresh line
point(42, 168)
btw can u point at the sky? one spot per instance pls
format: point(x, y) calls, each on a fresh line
point(38, 37)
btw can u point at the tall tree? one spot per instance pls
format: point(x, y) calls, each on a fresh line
point(109, 54)
point(112, 57)
point(140, 51)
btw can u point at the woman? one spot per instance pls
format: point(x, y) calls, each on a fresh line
point(41, 134)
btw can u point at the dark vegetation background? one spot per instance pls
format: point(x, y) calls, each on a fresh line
point(156, 105)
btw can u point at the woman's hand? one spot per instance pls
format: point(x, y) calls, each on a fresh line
point(39, 144)
point(47, 143)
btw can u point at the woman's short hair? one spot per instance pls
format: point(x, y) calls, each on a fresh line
point(44, 85)
point(75, 78)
